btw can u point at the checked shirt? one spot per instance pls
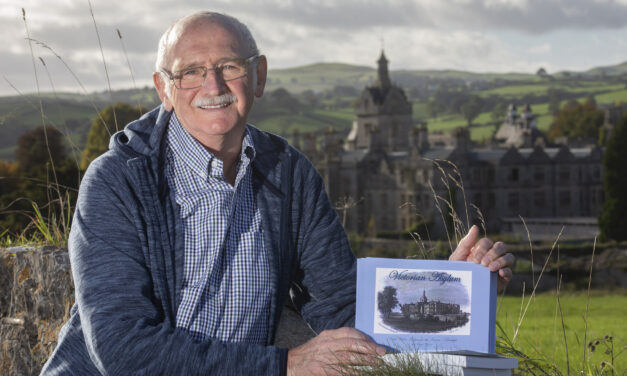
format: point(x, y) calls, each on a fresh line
point(226, 287)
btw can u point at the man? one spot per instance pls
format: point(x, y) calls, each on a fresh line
point(193, 229)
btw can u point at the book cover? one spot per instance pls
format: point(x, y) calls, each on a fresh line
point(426, 305)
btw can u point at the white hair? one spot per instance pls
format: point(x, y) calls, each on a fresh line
point(174, 32)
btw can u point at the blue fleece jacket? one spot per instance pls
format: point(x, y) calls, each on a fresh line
point(127, 253)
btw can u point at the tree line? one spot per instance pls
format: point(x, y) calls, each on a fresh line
point(46, 176)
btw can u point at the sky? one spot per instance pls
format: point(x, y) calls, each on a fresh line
point(472, 35)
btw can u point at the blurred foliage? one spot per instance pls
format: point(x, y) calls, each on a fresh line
point(577, 120)
point(111, 119)
point(613, 220)
point(39, 187)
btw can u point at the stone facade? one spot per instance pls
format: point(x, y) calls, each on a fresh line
point(387, 176)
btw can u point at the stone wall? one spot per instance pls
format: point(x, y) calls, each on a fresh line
point(36, 294)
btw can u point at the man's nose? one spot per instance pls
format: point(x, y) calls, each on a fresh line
point(213, 83)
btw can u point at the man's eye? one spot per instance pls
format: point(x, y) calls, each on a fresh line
point(192, 72)
point(229, 67)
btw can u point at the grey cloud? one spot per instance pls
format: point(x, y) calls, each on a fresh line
point(537, 16)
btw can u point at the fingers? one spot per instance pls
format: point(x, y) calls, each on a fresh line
point(352, 341)
point(505, 275)
point(465, 245)
point(504, 260)
point(333, 349)
point(345, 333)
point(480, 250)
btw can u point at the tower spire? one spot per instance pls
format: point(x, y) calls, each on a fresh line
point(384, 75)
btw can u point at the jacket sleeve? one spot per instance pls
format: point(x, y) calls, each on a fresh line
point(123, 322)
point(325, 277)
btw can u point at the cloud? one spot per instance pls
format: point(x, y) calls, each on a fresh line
point(544, 48)
point(530, 16)
point(418, 34)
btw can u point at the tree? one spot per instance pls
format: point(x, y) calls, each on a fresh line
point(471, 108)
point(613, 221)
point(386, 300)
point(434, 108)
point(498, 113)
point(104, 126)
point(35, 148)
point(46, 178)
point(577, 120)
point(555, 99)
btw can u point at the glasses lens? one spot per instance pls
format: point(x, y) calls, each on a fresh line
point(232, 69)
point(191, 78)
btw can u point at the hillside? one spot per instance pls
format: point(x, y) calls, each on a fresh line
point(316, 96)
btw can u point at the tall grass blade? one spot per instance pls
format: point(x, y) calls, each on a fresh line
point(104, 62)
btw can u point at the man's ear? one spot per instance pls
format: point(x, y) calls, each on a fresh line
point(160, 86)
point(262, 74)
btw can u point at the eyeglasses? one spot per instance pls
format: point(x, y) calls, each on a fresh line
point(194, 77)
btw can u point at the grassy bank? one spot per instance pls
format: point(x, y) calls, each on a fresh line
point(541, 334)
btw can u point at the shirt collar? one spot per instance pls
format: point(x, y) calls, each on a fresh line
point(196, 157)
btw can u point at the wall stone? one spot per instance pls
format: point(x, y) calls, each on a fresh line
point(36, 294)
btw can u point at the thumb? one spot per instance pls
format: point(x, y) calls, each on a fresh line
point(465, 245)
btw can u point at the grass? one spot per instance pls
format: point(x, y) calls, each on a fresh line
point(540, 334)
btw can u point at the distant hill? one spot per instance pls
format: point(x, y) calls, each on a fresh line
point(324, 96)
point(611, 70)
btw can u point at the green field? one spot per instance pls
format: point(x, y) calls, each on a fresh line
point(541, 336)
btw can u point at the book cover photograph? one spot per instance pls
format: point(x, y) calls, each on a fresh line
point(422, 301)
point(426, 305)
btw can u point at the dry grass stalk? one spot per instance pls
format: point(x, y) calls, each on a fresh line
point(104, 62)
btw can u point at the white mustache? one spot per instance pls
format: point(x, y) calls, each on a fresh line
point(224, 99)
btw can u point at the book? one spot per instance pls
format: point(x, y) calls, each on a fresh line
point(426, 305)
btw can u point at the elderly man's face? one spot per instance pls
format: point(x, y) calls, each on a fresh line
point(206, 45)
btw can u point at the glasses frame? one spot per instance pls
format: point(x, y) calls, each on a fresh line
point(176, 76)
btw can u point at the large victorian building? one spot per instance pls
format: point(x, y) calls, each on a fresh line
point(387, 177)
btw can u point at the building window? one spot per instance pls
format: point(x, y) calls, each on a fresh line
point(513, 175)
point(564, 198)
point(512, 200)
point(538, 174)
point(490, 175)
point(476, 175)
point(596, 173)
point(476, 199)
point(564, 173)
point(539, 199)
point(491, 200)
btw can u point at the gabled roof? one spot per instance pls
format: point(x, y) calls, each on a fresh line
point(512, 157)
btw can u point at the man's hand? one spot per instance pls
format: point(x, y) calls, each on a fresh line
point(331, 350)
point(487, 253)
